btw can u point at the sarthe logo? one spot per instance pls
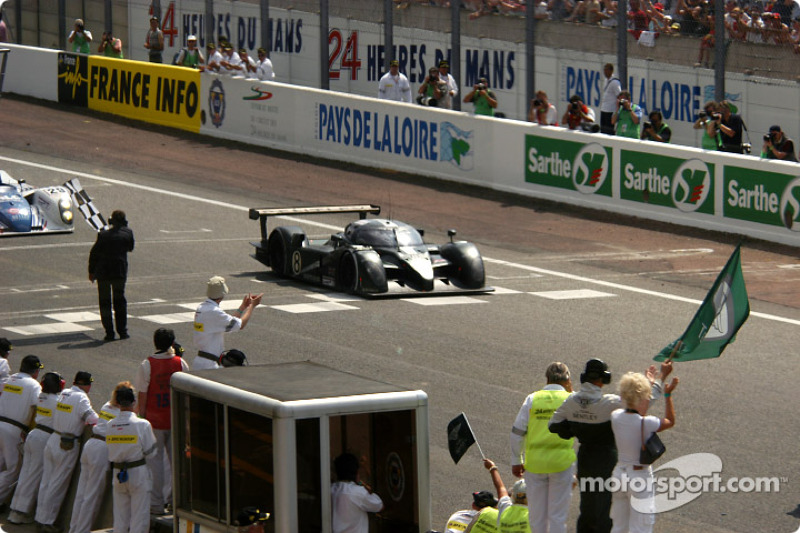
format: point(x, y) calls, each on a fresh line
point(691, 185)
point(260, 94)
point(590, 168)
point(790, 205)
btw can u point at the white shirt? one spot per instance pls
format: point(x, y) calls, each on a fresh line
point(612, 88)
point(210, 325)
point(264, 70)
point(107, 413)
point(351, 503)
point(45, 408)
point(234, 61)
point(214, 60)
point(247, 72)
point(73, 412)
point(394, 88)
point(20, 395)
point(127, 450)
point(628, 434)
point(459, 520)
point(5, 371)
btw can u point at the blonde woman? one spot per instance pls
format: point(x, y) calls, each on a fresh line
point(633, 505)
point(94, 467)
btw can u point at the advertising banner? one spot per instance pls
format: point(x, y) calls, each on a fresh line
point(582, 167)
point(686, 184)
point(154, 93)
point(762, 197)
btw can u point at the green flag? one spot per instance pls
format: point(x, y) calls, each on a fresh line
point(722, 313)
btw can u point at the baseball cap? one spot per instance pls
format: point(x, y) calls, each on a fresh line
point(774, 128)
point(126, 397)
point(250, 515)
point(5, 345)
point(596, 369)
point(484, 498)
point(154, 17)
point(30, 363)
point(191, 38)
point(83, 378)
point(232, 358)
point(216, 288)
point(444, 64)
point(659, 6)
point(394, 63)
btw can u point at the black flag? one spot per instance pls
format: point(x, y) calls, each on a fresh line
point(459, 437)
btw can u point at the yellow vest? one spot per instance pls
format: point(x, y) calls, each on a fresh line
point(486, 521)
point(515, 520)
point(545, 452)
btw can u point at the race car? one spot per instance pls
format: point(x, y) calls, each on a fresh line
point(27, 210)
point(367, 255)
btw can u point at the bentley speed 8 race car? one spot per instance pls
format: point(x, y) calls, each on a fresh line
point(367, 255)
point(27, 210)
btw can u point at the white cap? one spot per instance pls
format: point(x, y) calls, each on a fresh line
point(191, 38)
point(216, 288)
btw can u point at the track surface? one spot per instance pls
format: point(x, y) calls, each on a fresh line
point(186, 197)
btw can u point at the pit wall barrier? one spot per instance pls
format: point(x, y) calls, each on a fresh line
point(670, 183)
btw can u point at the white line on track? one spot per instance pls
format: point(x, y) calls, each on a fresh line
point(528, 268)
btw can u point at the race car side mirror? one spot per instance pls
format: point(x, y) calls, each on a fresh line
point(451, 233)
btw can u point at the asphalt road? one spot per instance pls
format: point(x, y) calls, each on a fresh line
point(629, 288)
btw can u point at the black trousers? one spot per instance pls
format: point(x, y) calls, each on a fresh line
point(605, 123)
point(595, 507)
point(108, 289)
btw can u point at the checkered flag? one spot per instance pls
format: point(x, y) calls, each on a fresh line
point(86, 205)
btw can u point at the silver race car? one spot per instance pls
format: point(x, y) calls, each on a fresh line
point(25, 210)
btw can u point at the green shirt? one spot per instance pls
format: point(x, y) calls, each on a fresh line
point(80, 44)
point(481, 103)
point(109, 51)
point(625, 126)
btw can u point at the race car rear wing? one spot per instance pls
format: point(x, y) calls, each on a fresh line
point(261, 214)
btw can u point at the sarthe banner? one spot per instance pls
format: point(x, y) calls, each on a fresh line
point(722, 313)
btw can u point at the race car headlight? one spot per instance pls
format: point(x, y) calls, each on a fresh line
point(65, 207)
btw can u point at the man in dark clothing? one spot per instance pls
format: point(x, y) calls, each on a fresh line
point(731, 126)
point(778, 146)
point(108, 265)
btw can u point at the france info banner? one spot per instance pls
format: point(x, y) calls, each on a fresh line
point(582, 167)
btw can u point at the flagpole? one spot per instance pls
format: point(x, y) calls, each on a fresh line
point(478, 444)
point(674, 350)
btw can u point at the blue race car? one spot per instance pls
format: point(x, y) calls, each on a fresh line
point(26, 210)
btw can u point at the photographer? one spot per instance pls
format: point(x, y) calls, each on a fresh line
point(627, 118)
point(482, 98)
point(731, 125)
point(110, 46)
point(579, 116)
point(706, 121)
point(656, 130)
point(778, 146)
point(542, 111)
point(80, 38)
point(433, 91)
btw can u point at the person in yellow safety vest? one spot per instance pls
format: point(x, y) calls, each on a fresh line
point(485, 520)
point(512, 509)
point(547, 463)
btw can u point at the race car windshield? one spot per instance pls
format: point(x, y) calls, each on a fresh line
point(389, 237)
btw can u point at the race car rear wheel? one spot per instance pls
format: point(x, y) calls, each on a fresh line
point(348, 272)
point(279, 248)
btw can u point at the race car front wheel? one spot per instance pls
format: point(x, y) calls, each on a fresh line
point(348, 272)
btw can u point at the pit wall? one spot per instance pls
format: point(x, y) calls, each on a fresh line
point(671, 183)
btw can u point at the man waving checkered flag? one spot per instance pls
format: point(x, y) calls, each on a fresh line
point(86, 205)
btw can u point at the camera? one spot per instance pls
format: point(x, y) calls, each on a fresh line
point(481, 87)
point(537, 103)
point(80, 28)
point(647, 125)
point(623, 102)
point(716, 116)
point(575, 106)
point(702, 114)
point(428, 101)
point(746, 148)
